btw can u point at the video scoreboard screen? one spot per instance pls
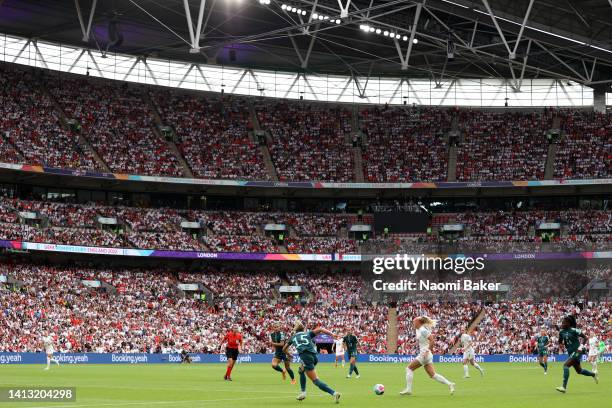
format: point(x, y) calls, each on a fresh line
point(401, 222)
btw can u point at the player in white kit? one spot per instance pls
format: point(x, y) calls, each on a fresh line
point(424, 326)
point(338, 347)
point(469, 355)
point(47, 341)
point(593, 351)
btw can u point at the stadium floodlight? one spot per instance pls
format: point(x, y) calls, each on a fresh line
point(320, 17)
point(378, 31)
point(405, 38)
point(338, 21)
point(398, 36)
point(415, 40)
point(371, 29)
point(293, 9)
point(284, 7)
point(386, 33)
point(315, 16)
point(303, 12)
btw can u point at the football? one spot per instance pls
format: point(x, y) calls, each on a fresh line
point(379, 389)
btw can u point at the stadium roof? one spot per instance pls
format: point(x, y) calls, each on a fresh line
point(565, 39)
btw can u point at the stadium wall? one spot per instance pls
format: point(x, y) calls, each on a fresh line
point(144, 358)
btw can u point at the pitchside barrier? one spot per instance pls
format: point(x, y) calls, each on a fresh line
point(143, 358)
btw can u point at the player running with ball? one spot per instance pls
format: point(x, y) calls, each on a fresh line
point(302, 341)
point(569, 337)
point(424, 326)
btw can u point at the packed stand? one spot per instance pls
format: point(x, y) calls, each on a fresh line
point(405, 144)
point(118, 123)
point(212, 135)
point(309, 141)
point(585, 148)
point(29, 122)
point(502, 146)
point(140, 310)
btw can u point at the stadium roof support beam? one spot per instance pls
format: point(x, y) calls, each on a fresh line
point(577, 13)
point(520, 34)
point(195, 35)
point(306, 29)
point(404, 60)
point(499, 30)
point(552, 54)
point(304, 60)
point(344, 9)
point(85, 30)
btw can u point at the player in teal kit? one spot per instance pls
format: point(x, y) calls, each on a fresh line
point(542, 348)
point(278, 340)
point(302, 341)
point(569, 337)
point(350, 344)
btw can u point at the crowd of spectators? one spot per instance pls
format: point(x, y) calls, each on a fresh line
point(118, 123)
point(502, 146)
point(243, 231)
point(405, 144)
point(30, 126)
point(142, 310)
point(511, 327)
point(309, 141)
point(212, 134)
point(585, 147)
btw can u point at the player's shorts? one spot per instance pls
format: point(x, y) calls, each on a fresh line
point(542, 353)
point(309, 361)
point(231, 353)
point(49, 350)
point(351, 354)
point(593, 353)
point(280, 355)
point(576, 355)
point(340, 354)
point(424, 358)
point(468, 354)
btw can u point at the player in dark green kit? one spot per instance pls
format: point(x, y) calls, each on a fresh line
point(302, 341)
point(278, 340)
point(542, 347)
point(570, 337)
point(350, 344)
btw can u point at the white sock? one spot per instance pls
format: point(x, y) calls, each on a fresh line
point(477, 367)
point(594, 364)
point(441, 379)
point(465, 370)
point(48, 362)
point(409, 377)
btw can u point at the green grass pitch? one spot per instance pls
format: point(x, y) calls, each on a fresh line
point(257, 385)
